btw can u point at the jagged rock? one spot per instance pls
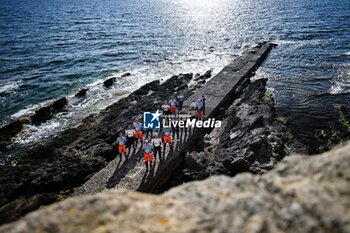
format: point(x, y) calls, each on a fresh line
point(109, 82)
point(303, 194)
point(207, 74)
point(60, 104)
point(46, 113)
point(82, 92)
point(43, 114)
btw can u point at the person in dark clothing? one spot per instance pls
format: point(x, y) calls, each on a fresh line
point(180, 101)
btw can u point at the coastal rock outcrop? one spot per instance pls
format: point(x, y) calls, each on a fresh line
point(68, 160)
point(302, 194)
point(251, 139)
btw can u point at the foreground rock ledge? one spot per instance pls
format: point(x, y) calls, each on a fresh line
point(303, 194)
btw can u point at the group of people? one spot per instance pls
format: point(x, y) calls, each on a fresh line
point(175, 105)
point(134, 133)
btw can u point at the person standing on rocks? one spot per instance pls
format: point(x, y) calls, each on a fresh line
point(130, 138)
point(204, 98)
point(147, 154)
point(199, 108)
point(138, 131)
point(175, 128)
point(166, 110)
point(172, 104)
point(121, 140)
point(167, 138)
point(180, 100)
point(157, 146)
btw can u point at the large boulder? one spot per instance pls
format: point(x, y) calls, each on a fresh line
point(303, 194)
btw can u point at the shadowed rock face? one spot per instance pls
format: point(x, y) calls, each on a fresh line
point(302, 194)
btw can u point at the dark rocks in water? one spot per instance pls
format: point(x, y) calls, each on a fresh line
point(125, 74)
point(109, 82)
point(207, 74)
point(188, 75)
point(11, 130)
point(82, 92)
point(43, 114)
point(203, 77)
point(46, 113)
point(60, 104)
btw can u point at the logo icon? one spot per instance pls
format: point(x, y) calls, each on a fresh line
point(151, 120)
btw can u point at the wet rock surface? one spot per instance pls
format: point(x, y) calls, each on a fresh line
point(109, 82)
point(69, 159)
point(302, 194)
point(82, 92)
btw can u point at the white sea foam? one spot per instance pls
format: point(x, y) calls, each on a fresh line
point(341, 84)
point(10, 86)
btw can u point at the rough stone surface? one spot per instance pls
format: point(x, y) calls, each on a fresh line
point(303, 194)
point(251, 139)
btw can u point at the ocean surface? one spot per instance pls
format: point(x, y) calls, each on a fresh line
point(53, 48)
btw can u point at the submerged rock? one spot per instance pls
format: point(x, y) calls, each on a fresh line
point(303, 194)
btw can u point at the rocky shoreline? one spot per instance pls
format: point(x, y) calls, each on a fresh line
point(50, 171)
point(252, 139)
point(81, 160)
